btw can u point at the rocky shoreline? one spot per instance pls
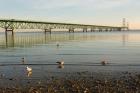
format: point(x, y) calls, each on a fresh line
point(81, 82)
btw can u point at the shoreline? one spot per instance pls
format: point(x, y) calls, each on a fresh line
point(78, 82)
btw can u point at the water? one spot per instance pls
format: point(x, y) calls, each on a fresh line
point(74, 48)
point(80, 51)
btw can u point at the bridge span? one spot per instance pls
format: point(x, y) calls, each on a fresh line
point(11, 24)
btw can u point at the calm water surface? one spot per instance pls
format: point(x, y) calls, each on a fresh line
point(74, 48)
point(80, 51)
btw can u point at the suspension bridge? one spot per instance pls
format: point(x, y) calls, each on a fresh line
point(12, 24)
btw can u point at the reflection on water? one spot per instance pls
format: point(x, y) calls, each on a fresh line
point(29, 74)
point(31, 39)
point(75, 48)
point(61, 66)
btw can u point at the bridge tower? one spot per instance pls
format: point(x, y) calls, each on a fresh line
point(125, 24)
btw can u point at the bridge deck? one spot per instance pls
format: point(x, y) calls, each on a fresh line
point(41, 22)
point(11, 24)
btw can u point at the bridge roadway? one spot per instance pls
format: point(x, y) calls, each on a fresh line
point(11, 24)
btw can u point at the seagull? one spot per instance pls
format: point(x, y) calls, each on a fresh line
point(29, 69)
point(57, 44)
point(23, 60)
point(60, 62)
point(104, 62)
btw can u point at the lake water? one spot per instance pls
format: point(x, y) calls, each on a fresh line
point(80, 52)
point(74, 48)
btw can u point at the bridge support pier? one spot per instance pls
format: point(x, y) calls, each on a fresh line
point(119, 29)
point(84, 29)
point(100, 30)
point(113, 29)
point(48, 30)
point(6, 35)
point(92, 30)
point(71, 30)
point(110, 29)
point(9, 30)
point(125, 29)
point(106, 30)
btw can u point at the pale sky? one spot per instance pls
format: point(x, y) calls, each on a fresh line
point(98, 12)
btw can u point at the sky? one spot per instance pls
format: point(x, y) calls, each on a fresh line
point(95, 12)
